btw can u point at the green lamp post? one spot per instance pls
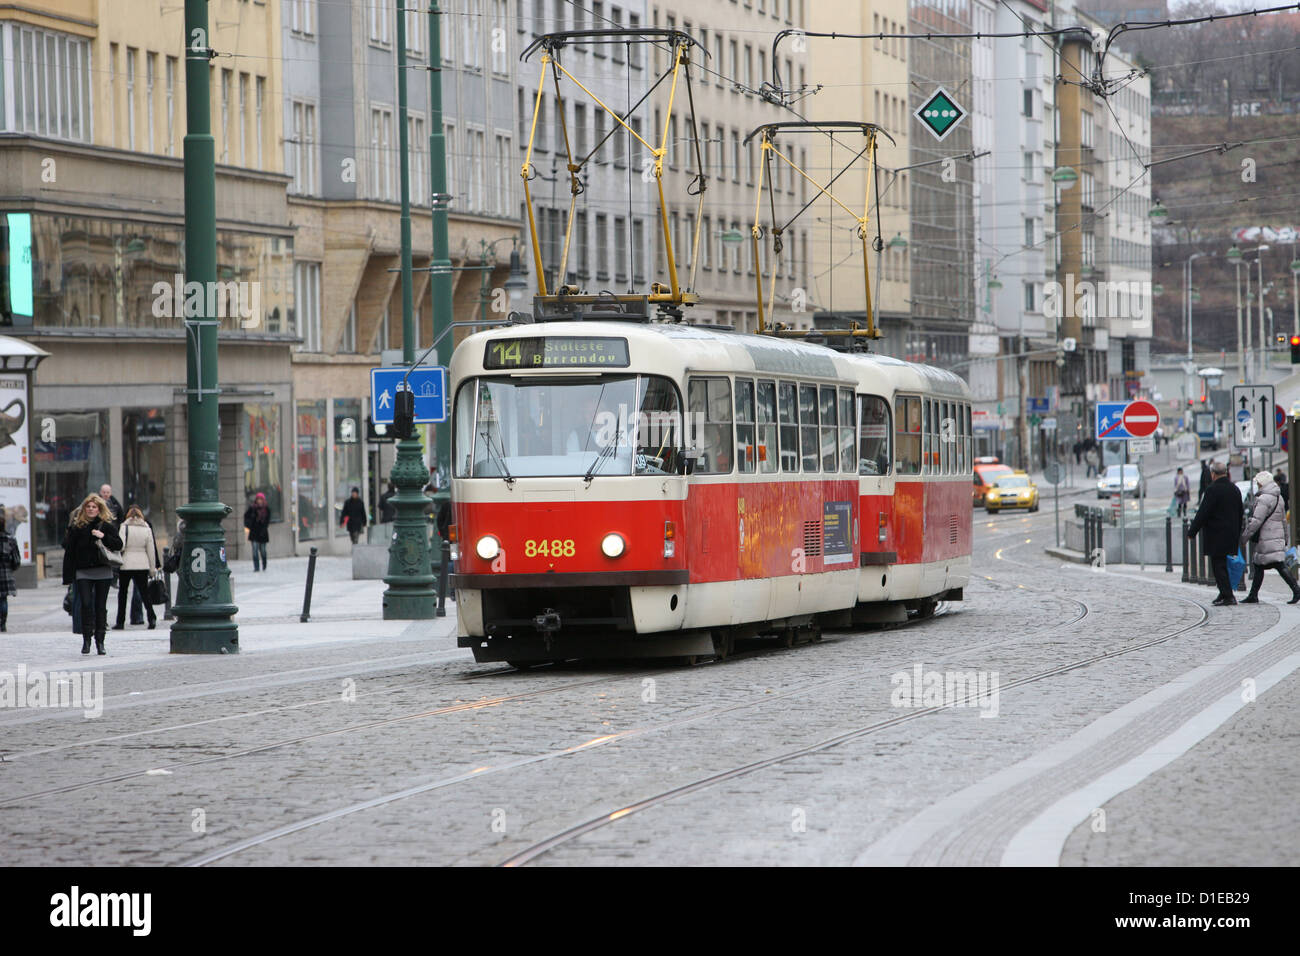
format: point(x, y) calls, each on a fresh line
point(204, 609)
point(410, 595)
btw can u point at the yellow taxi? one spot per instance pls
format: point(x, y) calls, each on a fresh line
point(1015, 490)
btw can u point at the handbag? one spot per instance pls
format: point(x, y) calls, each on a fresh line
point(69, 599)
point(112, 558)
point(1236, 569)
point(1254, 538)
point(156, 591)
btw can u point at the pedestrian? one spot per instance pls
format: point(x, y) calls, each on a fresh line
point(1182, 492)
point(115, 506)
point(354, 515)
point(1267, 529)
point(387, 510)
point(139, 560)
point(9, 562)
point(1077, 448)
point(1284, 486)
point(1219, 515)
point(85, 565)
point(257, 524)
point(1090, 456)
point(1206, 478)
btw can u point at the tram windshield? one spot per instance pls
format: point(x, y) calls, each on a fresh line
point(532, 427)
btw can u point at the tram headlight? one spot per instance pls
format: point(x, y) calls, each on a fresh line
point(613, 545)
point(487, 547)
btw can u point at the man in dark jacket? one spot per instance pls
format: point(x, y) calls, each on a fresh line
point(354, 515)
point(387, 510)
point(1283, 486)
point(1220, 516)
point(1206, 479)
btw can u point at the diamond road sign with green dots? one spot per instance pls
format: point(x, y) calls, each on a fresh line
point(940, 114)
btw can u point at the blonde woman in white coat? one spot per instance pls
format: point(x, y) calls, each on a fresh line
point(139, 557)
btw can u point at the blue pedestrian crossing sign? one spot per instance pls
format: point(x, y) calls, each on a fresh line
point(1110, 422)
point(429, 383)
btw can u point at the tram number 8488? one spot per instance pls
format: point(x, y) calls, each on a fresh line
point(553, 549)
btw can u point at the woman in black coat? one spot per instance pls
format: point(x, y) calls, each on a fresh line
point(85, 566)
point(257, 525)
point(354, 515)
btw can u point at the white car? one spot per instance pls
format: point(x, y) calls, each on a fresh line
point(1109, 483)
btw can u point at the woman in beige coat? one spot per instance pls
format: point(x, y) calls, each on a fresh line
point(139, 558)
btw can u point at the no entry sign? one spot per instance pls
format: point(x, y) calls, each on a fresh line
point(1141, 419)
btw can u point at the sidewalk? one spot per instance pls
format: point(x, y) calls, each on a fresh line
point(270, 602)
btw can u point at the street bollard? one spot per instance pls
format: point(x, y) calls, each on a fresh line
point(311, 578)
point(1087, 535)
point(167, 586)
point(1169, 544)
point(442, 579)
point(1187, 546)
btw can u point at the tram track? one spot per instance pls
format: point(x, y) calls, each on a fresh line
point(566, 836)
point(533, 759)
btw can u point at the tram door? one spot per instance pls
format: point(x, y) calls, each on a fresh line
point(878, 538)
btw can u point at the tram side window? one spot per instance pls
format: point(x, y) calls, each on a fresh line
point(710, 412)
point(829, 430)
point(848, 460)
point(463, 436)
point(659, 423)
point(947, 437)
point(932, 436)
point(907, 454)
point(788, 409)
point(745, 450)
point(969, 443)
point(808, 426)
point(873, 435)
point(766, 409)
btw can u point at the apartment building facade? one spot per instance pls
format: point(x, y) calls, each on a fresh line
point(92, 122)
point(616, 211)
point(862, 80)
point(722, 269)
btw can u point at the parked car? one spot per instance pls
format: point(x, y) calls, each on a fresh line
point(1109, 483)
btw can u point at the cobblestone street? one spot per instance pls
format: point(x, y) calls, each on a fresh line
point(1110, 736)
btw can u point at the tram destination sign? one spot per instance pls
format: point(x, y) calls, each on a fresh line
point(557, 351)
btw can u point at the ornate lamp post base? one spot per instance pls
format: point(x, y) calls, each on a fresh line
point(204, 607)
point(411, 595)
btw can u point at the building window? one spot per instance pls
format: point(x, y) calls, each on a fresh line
point(502, 164)
point(1031, 298)
point(171, 108)
point(383, 155)
point(379, 25)
point(418, 148)
point(602, 247)
point(259, 441)
point(1029, 103)
point(348, 426)
point(620, 249)
point(261, 96)
point(243, 119)
point(415, 29)
point(313, 447)
point(130, 101)
point(302, 17)
point(1029, 232)
point(300, 150)
point(306, 300)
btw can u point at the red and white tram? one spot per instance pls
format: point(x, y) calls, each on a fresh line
point(640, 489)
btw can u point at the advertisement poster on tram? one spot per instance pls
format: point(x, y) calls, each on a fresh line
point(837, 533)
point(15, 463)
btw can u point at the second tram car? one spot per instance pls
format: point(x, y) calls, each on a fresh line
point(641, 489)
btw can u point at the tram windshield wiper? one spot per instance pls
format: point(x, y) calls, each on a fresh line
point(605, 452)
point(500, 457)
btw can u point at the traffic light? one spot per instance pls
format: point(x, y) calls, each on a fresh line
point(1295, 350)
point(404, 414)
